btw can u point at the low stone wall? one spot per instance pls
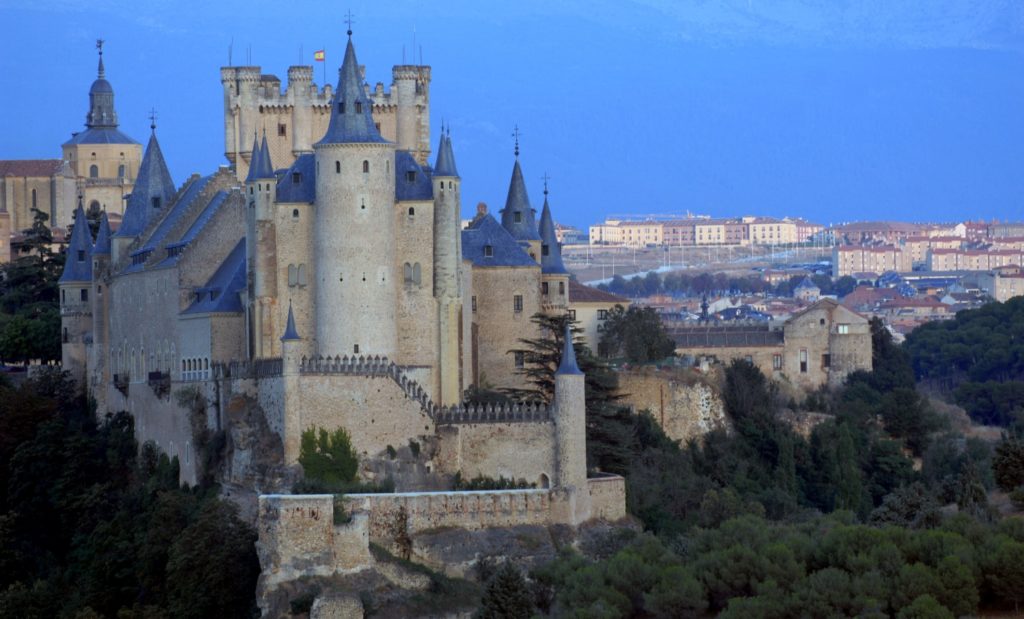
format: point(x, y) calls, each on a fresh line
point(298, 537)
point(607, 497)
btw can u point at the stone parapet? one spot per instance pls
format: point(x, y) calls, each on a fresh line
point(493, 413)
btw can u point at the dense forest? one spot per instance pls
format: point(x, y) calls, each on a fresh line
point(93, 526)
point(978, 358)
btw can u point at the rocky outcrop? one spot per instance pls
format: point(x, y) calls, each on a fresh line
point(685, 403)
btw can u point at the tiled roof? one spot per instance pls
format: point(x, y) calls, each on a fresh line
point(100, 135)
point(420, 187)
point(301, 188)
point(504, 251)
point(578, 293)
point(30, 168)
point(197, 226)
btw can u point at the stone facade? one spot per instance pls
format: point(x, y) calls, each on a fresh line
point(683, 403)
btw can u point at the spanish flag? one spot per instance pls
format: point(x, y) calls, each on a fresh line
point(318, 56)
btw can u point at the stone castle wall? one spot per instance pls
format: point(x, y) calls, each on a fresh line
point(607, 497)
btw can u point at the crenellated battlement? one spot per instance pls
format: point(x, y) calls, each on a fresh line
point(493, 413)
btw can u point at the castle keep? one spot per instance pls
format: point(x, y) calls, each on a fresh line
point(338, 291)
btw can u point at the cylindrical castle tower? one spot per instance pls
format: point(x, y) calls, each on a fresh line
point(300, 83)
point(354, 231)
point(447, 257)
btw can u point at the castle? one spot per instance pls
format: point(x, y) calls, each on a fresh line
point(340, 291)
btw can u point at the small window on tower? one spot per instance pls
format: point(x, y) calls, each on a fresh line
point(472, 303)
point(561, 288)
point(544, 288)
point(341, 107)
point(81, 255)
point(412, 211)
point(156, 201)
point(85, 295)
point(517, 303)
point(94, 171)
point(120, 174)
point(282, 129)
point(295, 213)
point(517, 217)
point(545, 250)
point(355, 349)
point(337, 167)
point(488, 251)
point(359, 107)
point(410, 176)
point(366, 167)
point(296, 177)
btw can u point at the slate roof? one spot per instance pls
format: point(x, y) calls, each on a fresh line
point(288, 190)
point(420, 188)
point(727, 336)
point(220, 294)
point(100, 135)
point(568, 363)
point(75, 269)
point(193, 231)
point(102, 245)
point(550, 251)
point(354, 124)
point(177, 210)
point(290, 332)
point(153, 181)
point(445, 163)
point(505, 251)
point(806, 284)
point(518, 203)
point(579, 293)
point(31, 168)
point(260, 166)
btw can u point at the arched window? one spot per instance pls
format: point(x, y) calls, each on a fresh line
point(33, 198)
point(295, 213)
point(416, 273)
point(293, 275)
point(412, 211)
point(408, 273)
point(359, 107)
point(302, 275)
point(366, 167)
point(94, 171)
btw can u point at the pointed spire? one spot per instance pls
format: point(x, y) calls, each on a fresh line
point(102, 246)
point(291, 334)
point(101, 98)
point(351, 120)
point(518, 217)
point(550, 252)
point(152, 191)
point(260, 166)
point(568, 363)
point(445, 164)
point(77, 263)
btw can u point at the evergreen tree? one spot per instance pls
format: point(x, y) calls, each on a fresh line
point(636, 334)
point(1008, 464)
point(506, 596)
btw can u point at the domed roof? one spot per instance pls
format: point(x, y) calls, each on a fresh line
point(101, 86)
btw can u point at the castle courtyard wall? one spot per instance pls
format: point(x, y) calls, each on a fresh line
point(498, 450)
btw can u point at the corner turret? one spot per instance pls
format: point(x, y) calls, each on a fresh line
point(554, 276)
point(261, 249)
point(447, 259)
point(75, 307)
point(570, 417)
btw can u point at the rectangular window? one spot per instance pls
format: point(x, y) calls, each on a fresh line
point(776, 362)
point(520, 360)
point(803, 360)
point(826, 361)
point(572, 314)
point(517, 303)
point(85, 295)
point(561, 287)
point(473, 303)
point(602, 314)
point(544, 288)
point(843, 329)
point(282, 129)
point(410, 176)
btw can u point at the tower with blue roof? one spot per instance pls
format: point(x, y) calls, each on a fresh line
point(261, 251)
point(554, 276)
point(105, 160)
point(75, 305)
point(447, 262)
point(354, 230)
point(152, 192)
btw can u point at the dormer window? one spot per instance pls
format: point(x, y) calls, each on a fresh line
point(545, 250)
point(488, 251)
point(517, 217)
point(359, 107)
point(296, 178)
point(156, 201)
point(341, 107)
point(81, 255)
point(410, 176)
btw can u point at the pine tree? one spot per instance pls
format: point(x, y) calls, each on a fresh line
point(506, 596)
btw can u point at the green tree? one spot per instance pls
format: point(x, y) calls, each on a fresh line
point(506, 596)
point(328, 460)
point(1008, 464)
point(636, 334)
point(924, 607)
point(1004, 570)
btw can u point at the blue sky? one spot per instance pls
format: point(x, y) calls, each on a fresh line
point(832, 110)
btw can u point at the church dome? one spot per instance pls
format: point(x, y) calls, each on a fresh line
point(101, 86)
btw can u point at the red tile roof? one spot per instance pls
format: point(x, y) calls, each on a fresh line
point(578, 293)
point(30, 168)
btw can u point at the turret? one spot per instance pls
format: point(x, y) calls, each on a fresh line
point(75, 305)
point(291, 345)
point(153, 191)
point(410, 90)
point(447, 258)
point(354, 240)
point(570, 430)
point(554, 276)
point(518, 217)
point(261, 248)
point(300, 94)
point(99, 370)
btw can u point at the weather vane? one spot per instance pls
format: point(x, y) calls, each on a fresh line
point(349, 21)
point(152, 119)
point(546, 179)
point(99, 45)
point(515, 134)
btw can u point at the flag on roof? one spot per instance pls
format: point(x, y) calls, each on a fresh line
point(318, 55)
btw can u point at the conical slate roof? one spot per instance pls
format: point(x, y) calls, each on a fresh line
point(102, 246)
point(290, 332)
point(77, 263)
point(445, 165)
point(153, 190)
point(260, 167)
point(568, 363)
point(351, 120)
point(550, 252)
point(518, 216)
